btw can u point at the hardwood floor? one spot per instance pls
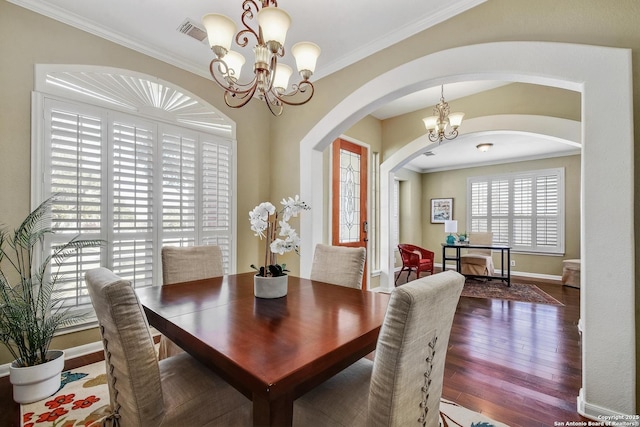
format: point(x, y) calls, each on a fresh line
point(518, 363)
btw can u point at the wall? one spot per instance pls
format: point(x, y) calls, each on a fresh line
point(49, 41)
point(454, 184)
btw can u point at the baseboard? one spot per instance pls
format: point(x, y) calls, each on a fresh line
point(604, 415)
point(69, 353)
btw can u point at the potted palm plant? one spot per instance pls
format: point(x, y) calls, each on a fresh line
point(30, 314)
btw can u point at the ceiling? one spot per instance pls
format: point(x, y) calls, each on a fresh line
point(357, 29)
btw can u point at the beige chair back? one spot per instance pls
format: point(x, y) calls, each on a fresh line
point(338, 265)
point(481, 239)
point(408, 369)
point(132, 368)
point(184, 264)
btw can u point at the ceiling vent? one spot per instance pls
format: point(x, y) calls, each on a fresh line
point(190, 28)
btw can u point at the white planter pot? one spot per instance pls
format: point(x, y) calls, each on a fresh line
point(270, 287)
point(34, 383)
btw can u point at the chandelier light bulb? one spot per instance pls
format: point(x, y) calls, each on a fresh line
point(274, 24)
point(220, 31)
point(281, 78)
point(234, 62)
point(306, 55)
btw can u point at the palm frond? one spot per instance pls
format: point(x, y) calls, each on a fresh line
point(30, 314)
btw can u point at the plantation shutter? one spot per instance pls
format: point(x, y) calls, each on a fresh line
point(523, 210)
point(479, 192)
point(133, 203)
point(73, 169)
point(134, 183)
point(500, 211)
point(547, 211)
point(215, 210)
point(178, 188)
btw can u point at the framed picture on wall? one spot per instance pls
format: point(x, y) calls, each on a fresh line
point(441, 210)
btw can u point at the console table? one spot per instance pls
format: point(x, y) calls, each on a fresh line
point(504, 250)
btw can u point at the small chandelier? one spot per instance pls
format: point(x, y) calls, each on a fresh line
point(271, 78)
point(442, 125)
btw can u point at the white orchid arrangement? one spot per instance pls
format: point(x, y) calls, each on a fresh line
point(268, 223)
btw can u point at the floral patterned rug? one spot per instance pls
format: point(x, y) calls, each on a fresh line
point(83, 400)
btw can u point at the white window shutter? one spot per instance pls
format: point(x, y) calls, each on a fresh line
point(132, 200)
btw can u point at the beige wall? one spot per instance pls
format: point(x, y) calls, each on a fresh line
point(454, 184)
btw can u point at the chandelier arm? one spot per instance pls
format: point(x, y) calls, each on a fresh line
point(240, 90)
point(241, 38)
point(433, 137)
point(243, 97)
point(272, 101)
point(304, 87)
point(452, 135)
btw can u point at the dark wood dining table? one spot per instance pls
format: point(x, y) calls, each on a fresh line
point(271, 350)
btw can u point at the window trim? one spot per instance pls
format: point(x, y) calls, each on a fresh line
point(510, 177)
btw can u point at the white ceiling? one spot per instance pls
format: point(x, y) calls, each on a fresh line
point(346, 31)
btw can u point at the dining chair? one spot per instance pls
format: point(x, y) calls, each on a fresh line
point(478, 262)
point(403, 384)
point(415, 258)
point(184, 264)
point(144, 391)
point(338, 265)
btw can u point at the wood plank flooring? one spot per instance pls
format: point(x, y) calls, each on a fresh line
point(517, 363)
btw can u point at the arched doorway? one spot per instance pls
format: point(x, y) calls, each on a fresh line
point(602, 75)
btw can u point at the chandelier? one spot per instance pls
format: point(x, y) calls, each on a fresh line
point(271, 78)
point(442, 125)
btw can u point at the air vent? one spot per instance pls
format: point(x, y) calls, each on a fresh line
point(190, 28)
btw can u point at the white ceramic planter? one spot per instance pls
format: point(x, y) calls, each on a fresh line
point(34, 383)
point(270, 287)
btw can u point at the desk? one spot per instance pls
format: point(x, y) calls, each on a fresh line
point(503, 249)
point(272, 351)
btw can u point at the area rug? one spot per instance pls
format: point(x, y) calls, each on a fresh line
point(516, 292)
point(83, 400)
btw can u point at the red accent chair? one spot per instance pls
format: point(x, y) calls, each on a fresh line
point(415, 258)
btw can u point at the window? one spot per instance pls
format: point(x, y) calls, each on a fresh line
point(523, 210)
point(136, 182)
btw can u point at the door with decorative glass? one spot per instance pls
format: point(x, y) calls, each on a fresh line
point(349, 196)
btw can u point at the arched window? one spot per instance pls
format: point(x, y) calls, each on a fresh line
point(134, 161)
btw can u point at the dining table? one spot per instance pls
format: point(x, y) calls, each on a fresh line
point(271, 350)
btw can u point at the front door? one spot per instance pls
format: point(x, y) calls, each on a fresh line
point(349, 199)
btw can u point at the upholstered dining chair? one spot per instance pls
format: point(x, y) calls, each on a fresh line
point(338, 265)
point(144, 391)
point(478, 262)
point(415, 258)
point(184, 264)
point(403, 384)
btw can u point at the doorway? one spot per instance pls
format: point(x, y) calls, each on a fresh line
point(349, 196)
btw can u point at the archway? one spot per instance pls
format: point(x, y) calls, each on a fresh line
point(602, 75)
